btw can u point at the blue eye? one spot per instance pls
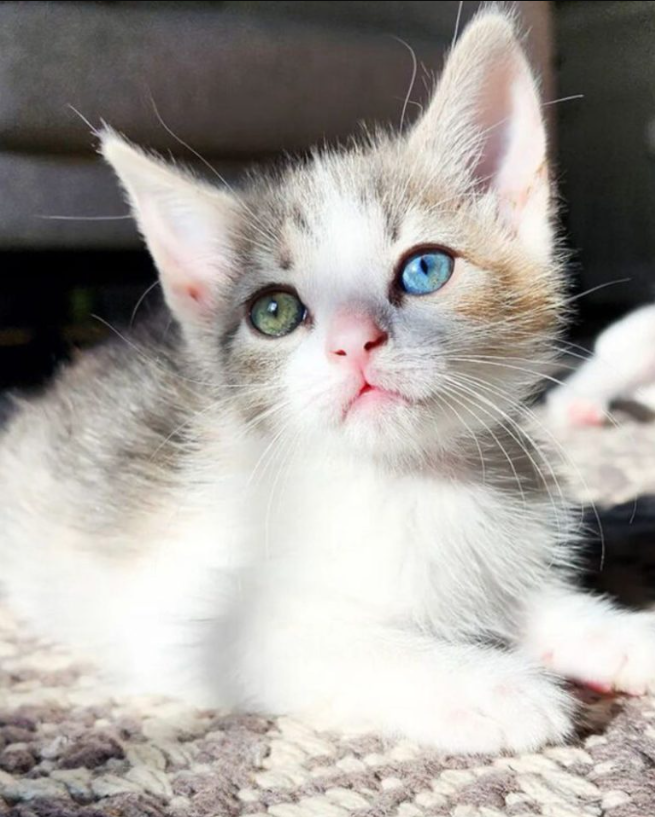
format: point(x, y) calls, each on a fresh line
point(426, 272)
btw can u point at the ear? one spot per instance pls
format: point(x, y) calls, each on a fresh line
point(185, 223)
point(485, 123)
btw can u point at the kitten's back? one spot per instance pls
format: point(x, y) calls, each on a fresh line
point(107, 430)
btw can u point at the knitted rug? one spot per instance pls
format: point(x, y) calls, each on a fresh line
point(68, 749)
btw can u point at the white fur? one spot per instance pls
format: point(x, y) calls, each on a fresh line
point(322, 606)
point(372, 572)
point(326, 602)
point(588, 640)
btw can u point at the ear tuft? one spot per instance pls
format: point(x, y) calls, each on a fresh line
point(185, 223)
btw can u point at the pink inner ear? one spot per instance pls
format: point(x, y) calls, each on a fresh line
point(189, 296)
point(184, 276)
point(526, 144)
point(183, 286)
point(514, 157)
point(194, 292)
point(494, 122)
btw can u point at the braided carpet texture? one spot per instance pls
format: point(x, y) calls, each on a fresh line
point(68, 750)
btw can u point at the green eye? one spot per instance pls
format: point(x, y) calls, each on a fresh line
point(277, 313)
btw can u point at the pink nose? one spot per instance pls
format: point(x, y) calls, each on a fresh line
point(353, 337)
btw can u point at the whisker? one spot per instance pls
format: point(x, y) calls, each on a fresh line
point(93, 129)
point(570, 98)
point(83, 218)
point(502, 414)
point(460, 8)
point(471, 434)
point(561, 451)
point(142, 353)
point(256, 224)
point(494, 436)
point(598, 288)
point(412, 80)
point(142, 299)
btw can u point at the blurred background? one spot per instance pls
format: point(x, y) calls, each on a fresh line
point(242, 83)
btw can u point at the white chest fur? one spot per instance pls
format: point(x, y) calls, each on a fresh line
point(415, 547)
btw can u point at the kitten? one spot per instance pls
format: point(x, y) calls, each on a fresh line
point(311, 494)
point(621, 368)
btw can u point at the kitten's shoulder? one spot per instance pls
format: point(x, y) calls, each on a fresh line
point(137, 364)
point(111, 420)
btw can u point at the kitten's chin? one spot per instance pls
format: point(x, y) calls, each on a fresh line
point(385, 426)
point(399, 432)
point(379, 424)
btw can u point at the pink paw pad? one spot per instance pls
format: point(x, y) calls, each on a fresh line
point(582, 413)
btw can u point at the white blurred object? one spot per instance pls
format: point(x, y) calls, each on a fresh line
point(622, 368)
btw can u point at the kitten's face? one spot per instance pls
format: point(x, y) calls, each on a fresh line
point(378, 307)
point(392, 298)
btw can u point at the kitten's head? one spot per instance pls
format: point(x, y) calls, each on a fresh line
point(394, 296)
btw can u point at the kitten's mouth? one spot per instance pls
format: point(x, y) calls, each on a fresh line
point(371, 397)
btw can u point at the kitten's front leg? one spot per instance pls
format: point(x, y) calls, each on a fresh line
point(457, 698)
point(592, 641)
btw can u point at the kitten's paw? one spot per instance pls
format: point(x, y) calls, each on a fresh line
point(568, 410)
point(586, 413)
point(463, 701)
point(615, 655)
point(514, 714)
